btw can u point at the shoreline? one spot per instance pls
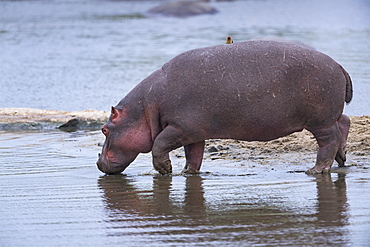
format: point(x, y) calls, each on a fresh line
point(36, 119)
point(13, 119)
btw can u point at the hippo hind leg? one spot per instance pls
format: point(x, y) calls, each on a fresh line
point(343, 124)
point(329, 140)
point(194, 156)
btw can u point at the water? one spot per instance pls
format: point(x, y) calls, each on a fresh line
point(82, 54)
point(52, 195)
point(78, 55)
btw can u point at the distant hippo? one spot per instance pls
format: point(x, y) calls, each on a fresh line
point(251, 91)
point(182, 8)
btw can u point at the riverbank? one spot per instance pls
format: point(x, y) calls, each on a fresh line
point(358, 141)
point(28, 119)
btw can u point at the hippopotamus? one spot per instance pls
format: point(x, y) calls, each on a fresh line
point(182, 8)
point(250, 91)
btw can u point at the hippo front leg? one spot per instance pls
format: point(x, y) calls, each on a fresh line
point(169, 139)
point(194, 156)
point(329, 140)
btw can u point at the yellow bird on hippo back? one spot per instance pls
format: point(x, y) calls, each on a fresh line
point(229, 40)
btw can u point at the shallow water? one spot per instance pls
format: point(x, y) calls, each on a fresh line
point(77, 55)
point(52, 194)
point(94, 52)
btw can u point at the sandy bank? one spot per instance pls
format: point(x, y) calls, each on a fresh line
point(358, 141)
point(26, 118)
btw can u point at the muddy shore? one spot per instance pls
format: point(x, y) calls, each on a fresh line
point(26, 118)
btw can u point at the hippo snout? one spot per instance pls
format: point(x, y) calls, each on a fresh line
point(108, 167)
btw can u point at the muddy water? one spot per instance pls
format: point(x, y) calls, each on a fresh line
point(52, 194)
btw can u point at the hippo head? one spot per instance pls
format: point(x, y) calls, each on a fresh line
point(127, 134)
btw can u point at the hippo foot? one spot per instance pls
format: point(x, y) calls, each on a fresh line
point(190, 171)
point(164, 168)
point(316, 170)
point(340, 157)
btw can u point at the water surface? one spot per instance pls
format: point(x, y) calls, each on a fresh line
point(78, 55)
point(52, 194)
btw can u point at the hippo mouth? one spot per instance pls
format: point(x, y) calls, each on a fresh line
point(109, 167)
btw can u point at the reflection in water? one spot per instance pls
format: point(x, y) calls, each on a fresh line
point(161, 203)
point(332, 200)
point(122, 197)
point(194, 204)
point(252, 216)
point(332, 208)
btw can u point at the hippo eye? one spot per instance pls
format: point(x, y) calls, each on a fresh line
point(105, 131)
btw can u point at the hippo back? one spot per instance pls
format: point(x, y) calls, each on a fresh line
point(268, 88)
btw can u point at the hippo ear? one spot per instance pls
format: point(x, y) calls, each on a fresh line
point(114, 113)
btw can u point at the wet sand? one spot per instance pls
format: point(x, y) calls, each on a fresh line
point(26, 118)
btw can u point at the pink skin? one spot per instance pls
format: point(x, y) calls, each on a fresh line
point(124, 142)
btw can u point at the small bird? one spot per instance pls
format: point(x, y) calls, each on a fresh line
point(229, 40)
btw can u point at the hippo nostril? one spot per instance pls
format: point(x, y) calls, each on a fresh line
point(99, 155)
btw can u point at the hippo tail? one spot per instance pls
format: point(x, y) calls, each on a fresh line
point(349, 90)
